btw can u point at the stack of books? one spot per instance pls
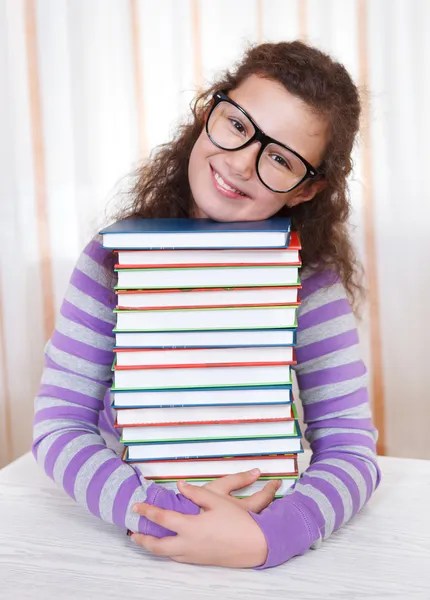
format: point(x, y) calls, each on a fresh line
point(205, 335)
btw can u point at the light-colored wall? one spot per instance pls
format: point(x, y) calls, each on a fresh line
point(89, 86)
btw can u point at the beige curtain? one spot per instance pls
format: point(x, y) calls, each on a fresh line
point(90, 86)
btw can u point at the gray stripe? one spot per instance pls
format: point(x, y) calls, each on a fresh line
point(362, 411)
point(363, 450)
point(73, 382)
point(325, 330)
point(70, 451)
point(89, 305)
point(350, 470)
point(317, 434)
point(42, 402)
point(323, 503)
point(340, 487)
point(139, 495)
point(93, 269)
point(110, 490)
point(79, 365)
point(321, 297)
point(83, 334)
point(87, 471)
point(334, 359)
point(59, 425)
point(333, 390)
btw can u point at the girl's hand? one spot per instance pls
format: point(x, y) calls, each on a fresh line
point(224, 534)
point(229, 483)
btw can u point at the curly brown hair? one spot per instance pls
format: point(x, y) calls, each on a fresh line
point(161, 187)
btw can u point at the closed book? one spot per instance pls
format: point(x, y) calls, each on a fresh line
point(253, 488)
point(214, 449)
point(261, 317)
point(200, 398)
point(136, 233)
point(199, 297)
point(270, 466)
point(198, 376)
point(209, 339)
point(202, 356)
point(191, 277)
point(198, 432)
point(136, 417)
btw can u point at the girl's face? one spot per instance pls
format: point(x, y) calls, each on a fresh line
point(213, 172)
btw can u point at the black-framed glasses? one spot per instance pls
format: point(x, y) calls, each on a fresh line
point(280, 168)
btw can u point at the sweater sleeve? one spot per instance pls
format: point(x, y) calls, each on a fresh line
point(67, 442)
point(332, 381)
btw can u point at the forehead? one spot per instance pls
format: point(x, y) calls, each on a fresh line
point(283, 116)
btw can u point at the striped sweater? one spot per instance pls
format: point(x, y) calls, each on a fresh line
point(72, 409)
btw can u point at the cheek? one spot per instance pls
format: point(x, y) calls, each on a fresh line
point(269, 202)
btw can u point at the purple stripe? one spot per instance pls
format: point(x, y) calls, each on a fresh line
point(317, 410)
point(107, 404)
point(99, 254)
point(66, 412)
point(57, 447)
point(92, 288)
point(331, 375)
point(331, 493)
point(342, 439)
point(362, 464)
point(324, 313)
point(79, 316)
point(346, 479)
point(337, 422)
point(318, 280)
point(54, 391)
point(75, 465)
point(53, 365)
point(122, 500)
point(98, 481)
point(81, 350)
point(327, 346)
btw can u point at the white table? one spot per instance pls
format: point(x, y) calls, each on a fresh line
point(52, 548)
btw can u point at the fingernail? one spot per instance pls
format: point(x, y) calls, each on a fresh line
point(279, 483)
point(135, 508)
point(255, 471)
point(184, 483)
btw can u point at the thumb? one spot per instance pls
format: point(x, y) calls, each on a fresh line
point(197, 494)
point(261, 500)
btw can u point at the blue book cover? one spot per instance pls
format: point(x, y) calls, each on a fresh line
point(135, 233)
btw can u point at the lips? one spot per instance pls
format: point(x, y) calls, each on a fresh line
point(225, 187)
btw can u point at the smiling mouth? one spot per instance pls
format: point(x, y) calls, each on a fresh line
point(225, 188)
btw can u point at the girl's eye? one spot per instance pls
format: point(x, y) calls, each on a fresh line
point(280, 160)
point(238, 126)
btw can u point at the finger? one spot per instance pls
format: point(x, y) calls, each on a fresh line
point(199, 495)
point(170, 519)
point(260, 500)
point(168, 546)
point(230, 483)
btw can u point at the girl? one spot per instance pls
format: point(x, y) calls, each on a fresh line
point(308, 108)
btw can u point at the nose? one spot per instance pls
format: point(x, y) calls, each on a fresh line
point(242, 162)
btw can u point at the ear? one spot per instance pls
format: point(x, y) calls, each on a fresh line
point(307, 192)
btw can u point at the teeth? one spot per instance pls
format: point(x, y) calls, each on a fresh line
point(225, 185)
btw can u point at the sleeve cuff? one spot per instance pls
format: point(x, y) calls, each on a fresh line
point(161, 497)
point(289, 528)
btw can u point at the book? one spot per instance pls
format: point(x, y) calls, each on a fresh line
point(199, 398)
point(256, 486)
point(192, 277)
point(202, 356)
point(209, 339)
point(214, 449)
point(194, 376)
point(160, 319)
point(198, 432)
point(132, 417)
point(136, 233)
point(248, 256)
point(200, 297)
point(270, 466)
